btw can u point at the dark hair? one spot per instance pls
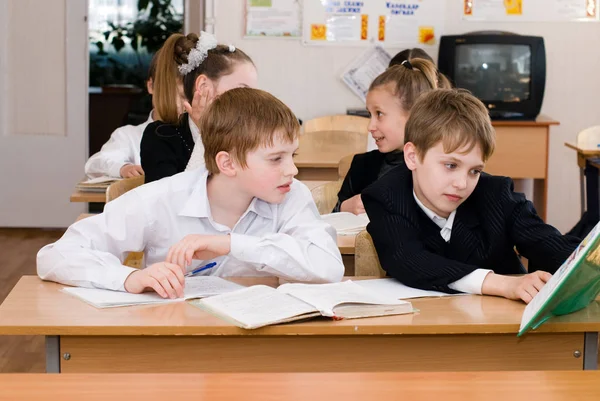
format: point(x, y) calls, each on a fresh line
point(415, 52)
point(219, 61)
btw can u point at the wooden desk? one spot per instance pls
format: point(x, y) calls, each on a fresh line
point(319, 153)
point(97, 197)
point(464, 333)
point(385, 386)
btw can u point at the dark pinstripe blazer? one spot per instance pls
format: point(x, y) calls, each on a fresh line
point(487, 227)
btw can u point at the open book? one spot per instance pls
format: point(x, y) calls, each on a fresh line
point(259, 305)
point(195, 287)
point(574, 285)
point(346, 223)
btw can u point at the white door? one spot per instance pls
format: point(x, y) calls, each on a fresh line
point(43, 110)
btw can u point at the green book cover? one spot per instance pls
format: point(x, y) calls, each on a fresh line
point(573, 287)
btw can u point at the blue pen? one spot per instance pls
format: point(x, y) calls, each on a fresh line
point(201, 269)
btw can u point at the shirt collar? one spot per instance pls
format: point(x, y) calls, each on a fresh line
point(440, 221)
point(150, 119)
point(197, 204)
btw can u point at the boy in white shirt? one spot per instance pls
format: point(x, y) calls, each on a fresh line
point(245, 212)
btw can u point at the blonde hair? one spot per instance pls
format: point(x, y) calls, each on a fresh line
point(411, 54)
point(451, 116)
point(219, 62)
point(408, 80)
point(240, 121)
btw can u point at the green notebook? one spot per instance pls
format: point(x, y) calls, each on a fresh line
point(574, 285)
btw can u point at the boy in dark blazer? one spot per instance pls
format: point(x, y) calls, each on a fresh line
point(439, 223)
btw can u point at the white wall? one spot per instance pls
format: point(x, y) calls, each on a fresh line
point(43, 123)
point(307, 79)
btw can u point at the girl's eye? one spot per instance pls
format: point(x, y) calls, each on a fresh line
point(276, 159)
point(379, 114)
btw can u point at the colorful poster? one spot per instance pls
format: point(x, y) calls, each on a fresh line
point(400, 22)
point(531, 10)
point(273, 18)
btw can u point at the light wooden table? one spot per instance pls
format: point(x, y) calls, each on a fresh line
point(319, 153)
point(463, 333)
point(384, 386)
point(582, 157)
point(78, 196)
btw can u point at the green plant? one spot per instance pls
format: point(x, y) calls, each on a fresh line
point(155, 21)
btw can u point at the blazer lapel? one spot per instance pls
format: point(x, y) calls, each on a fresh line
point(466, 236)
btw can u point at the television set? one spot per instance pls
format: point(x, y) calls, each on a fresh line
point(506, 71)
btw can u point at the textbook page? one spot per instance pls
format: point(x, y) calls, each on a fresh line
point(392, 288)
point(195, 287)
point(325, 297)
point(346, 223)
point(257, 306)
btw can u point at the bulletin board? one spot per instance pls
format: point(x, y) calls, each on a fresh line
point(531, 10)
point(405, 22)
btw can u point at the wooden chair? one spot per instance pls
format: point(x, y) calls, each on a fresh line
point(325, 196)
point(366, 261)
point(344, 166)
point(118, 188)
point(134, 259)
point(340, 122)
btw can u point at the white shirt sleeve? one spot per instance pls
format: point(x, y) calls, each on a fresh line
point(471, 283)
point(304, 248)
point(122, 148)
point(92, 251)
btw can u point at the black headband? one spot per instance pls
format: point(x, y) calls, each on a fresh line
point(407, 64)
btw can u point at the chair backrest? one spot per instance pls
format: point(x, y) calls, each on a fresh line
point(325, 196)
point(120, 187)
point(344, 166)
point(366, 261)
point(339, 122)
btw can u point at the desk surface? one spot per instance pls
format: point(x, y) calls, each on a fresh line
point(324, 149)
point(447, 386)
point(584, 152)
point(78, 196)
point(35, 307)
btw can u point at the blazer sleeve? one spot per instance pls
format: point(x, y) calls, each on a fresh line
point(402, 253)
point(158, 151)
point(351, 186)
point(543, 245)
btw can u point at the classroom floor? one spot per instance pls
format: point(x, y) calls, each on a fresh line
point(18, 248)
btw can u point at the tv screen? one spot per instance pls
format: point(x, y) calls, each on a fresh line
point(494, 72)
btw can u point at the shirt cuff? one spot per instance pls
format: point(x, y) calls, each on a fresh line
point(115, 170)
point(471, 283)
point(118, 282)
point(243, 246)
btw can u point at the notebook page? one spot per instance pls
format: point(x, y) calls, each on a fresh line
point(392, 288)
point(345, 222)
point(207, 286)
point(256, 306)
point(325, 297)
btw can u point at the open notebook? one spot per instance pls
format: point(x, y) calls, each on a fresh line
point(259, 305)
point(98, 184)
point(346, 223)
point(195, 287)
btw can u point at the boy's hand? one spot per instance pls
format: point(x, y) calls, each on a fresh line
point(353, 205)
point(202, 98)
point(517, 288)
point(197, 246)
point(165, 278)
point(131, 170)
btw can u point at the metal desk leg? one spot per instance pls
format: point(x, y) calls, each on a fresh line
point(52, 354)
point(590, 351)
point(582, 190)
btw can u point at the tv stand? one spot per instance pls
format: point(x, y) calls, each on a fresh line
point(509, 115)
point(522, 153)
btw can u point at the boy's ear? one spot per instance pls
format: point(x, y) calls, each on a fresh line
point(410, 155)
point(226, 164)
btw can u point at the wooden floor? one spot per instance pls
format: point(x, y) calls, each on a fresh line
point(18, 248)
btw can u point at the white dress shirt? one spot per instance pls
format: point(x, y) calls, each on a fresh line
point(197, 158)
point(472, 282)
point(288, 240)
point(122, 148)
